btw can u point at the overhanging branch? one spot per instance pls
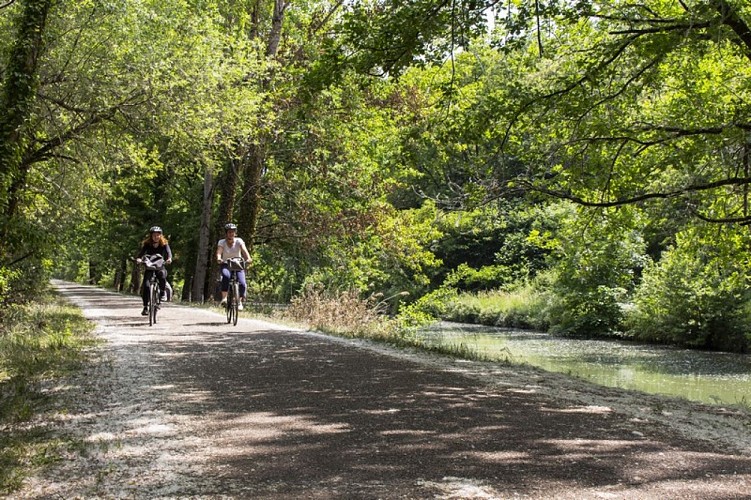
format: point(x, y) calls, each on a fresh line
point(732, 181)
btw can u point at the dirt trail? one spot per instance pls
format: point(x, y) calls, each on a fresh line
point(195, 408)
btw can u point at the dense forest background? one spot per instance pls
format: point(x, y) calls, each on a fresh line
point(586, 164)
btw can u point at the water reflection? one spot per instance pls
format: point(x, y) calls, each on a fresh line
point(708, 377)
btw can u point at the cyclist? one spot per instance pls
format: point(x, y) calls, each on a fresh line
point(154, 246)
point(227, 248)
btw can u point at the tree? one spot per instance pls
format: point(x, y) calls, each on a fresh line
point(613, 91)
point(17, 98)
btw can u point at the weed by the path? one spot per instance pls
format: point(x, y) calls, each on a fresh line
point(348, 315)
point(38, 341)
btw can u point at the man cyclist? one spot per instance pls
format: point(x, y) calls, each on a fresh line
point(227, 248)
point(155, 245)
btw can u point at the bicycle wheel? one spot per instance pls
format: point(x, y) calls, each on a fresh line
point(153, 303)
point(228, 305)
point(235, 302)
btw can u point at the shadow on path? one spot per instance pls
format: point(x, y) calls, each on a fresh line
point(293, 414)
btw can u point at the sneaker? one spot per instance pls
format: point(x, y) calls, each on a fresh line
point(240, 306)
point(163, 297)
point(223, 303)
point(145, 311)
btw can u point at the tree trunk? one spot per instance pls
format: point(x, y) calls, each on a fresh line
point(17, 98)
point(204, 234)
point(135, 280)
point(120, 275)
point(250, 205)
point(275, 36)
point(255, 163)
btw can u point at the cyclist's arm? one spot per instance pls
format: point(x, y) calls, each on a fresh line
point(244, 252)
point(168, 260)
point(219, 252)
point(140, 253)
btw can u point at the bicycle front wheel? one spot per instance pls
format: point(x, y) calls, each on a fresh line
point(153, 304)
point(228, 305)
point(235, 302)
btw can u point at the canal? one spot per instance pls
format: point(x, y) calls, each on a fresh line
point(708, 377)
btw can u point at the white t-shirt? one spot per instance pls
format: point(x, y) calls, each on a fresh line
point(229, 252)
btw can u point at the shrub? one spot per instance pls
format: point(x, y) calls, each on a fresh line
point(597, 262)
point(692, 298)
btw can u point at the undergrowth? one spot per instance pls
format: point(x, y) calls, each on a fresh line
point(519, 308)
point(346, 314)
point(39, 341)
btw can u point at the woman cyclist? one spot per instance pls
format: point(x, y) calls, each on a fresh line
point(155, 245)
point(227, 248)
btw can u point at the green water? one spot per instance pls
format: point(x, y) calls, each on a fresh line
point(707, 377)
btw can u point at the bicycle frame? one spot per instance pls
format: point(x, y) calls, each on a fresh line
point(233, 298)
point(154, 298)
point(233, 294)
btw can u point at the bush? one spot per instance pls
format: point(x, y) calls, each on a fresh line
point(466, 278)
point(692, 298)
point(598, 258)
point(7, 277)
point(25, 281)
point(592, 311)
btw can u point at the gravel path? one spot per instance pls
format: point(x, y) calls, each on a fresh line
point(195, 408)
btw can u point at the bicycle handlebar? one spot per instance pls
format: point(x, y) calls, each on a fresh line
point(155, 263)
point(239, 261)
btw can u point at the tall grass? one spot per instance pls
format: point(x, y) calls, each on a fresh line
point(347, 314)
point(341, 313)
point(523, 307)
point(38, 341)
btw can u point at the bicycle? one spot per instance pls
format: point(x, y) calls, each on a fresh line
point(155, 263)
point(233, 293)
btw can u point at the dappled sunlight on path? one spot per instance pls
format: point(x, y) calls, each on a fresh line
point(193, 407)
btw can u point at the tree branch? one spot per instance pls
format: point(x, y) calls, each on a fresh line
point(735, 22)
point(732, 181)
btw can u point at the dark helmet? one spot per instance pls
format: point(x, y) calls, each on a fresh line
point(155, 229)
point(230, 227)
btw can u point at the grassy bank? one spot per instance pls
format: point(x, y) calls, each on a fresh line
point(520, 308)
point(39, 342)
point(347, 315)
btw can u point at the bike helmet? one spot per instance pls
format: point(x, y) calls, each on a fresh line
point(230, 227)
point(155, 229)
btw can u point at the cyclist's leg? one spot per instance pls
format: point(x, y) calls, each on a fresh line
point(145, 292)
point(145, 287)
point(225, 281)
point(161, 276)
point(242, 282)
point(242, 287)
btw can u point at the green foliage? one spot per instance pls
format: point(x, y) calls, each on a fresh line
point(390, 257)
point(596, 262)
point(492, 247)
point(426, 309)
point(7, 278)
point(696, 295)
point(24, 281)
point(386, 37)
point(519, 307)
point(485, 278)
point(41, 340)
